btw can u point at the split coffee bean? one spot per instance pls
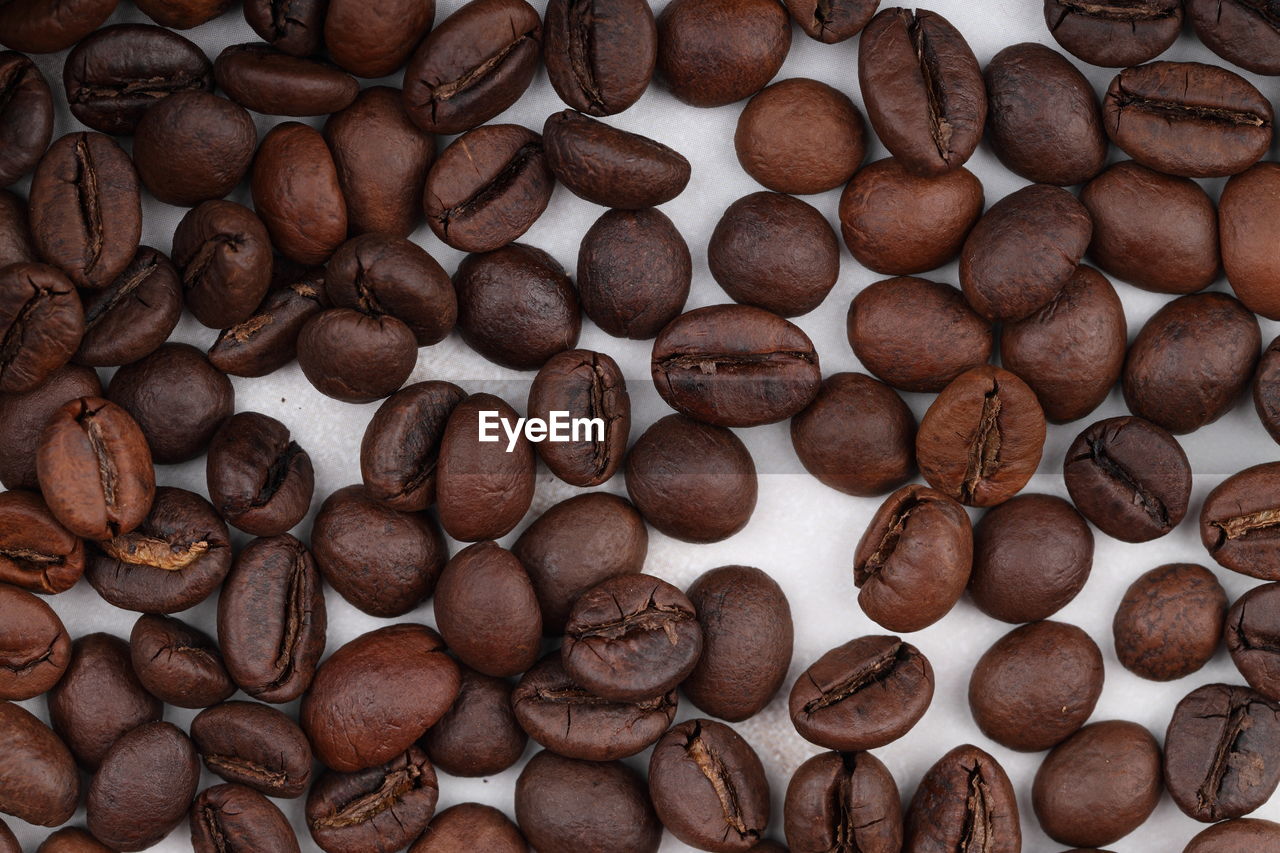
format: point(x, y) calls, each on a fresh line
point(1247, 215)
point(143, 788)
point(401, 445)
point(1114, 34)
point(296, 29)
point(715, 52)
point(963, 790)
point(586, 385)
point(609, 166)
point(566, 804)
point(35, 649)
point(224, 253)
point(260, 480)
point(469, 826)
point(177, 663)
point(130, 318)
point(36, 552)
point(267, 81)
point(375, 41)
point(487, 612)
point(845, 799)
point(256, 746)
point(482, 489)
point(194, 146)
point(41, 322)
point(600, 55)
point(26, 118)
point(39, 782)
point(479, 735)
point(231, 817)
point(1170, 622)
point(297, 193)
point(1253, 636)
point(268, 339)
point(379, 808)
point(831, 22)
point(1240, 31)
point(1240, 522)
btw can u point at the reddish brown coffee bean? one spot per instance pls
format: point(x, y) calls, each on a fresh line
point(1266, 390)
point(375, 41)
point(1170, 622)
point(479, 736)
point(482, 489)
point(268, 340)
point(1116, 33)
point(964, 789)
point(470, 826)
point(34, 647)
point(1247, 215)
point(46, 27)
point(297, 193)
point(356, 357)
point(26, 118)
point(582, 384)
point(487, 611)
point(193, 146)
point(182, 14)
point(224, 253)
point(715, 52)
point(565, 804)
point(23, 416)
point(382, 807)
point(401, 445)
point(1241, 835)
point(600, 54)
point(843, 799)
point(36, 552)
point(39, 782)
point(1251, 632)
point(254, 745)
point(379, 275)
point(134, 315)
point(177, 663)
point(143, 788)
point(42, 322)
point(233, 816)
point(260, 480)
point(830, 22)
point(1240, 522)
point(1243, 32)
point(267, 81)
point(609, 166)
point(295, 28)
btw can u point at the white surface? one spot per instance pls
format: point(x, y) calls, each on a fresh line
point(803, 533)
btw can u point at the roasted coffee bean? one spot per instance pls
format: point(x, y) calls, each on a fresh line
point(40, 26)
point(856, 436)
point(177, 663)
point(600, 53)
point(1243, 32)
point(295, 27)
point(1036, 685)
point(708, 787)
point(747, 640)
point(254, 745)
point(376, 695)
point(1023, 251)
point(174, 560)
point(380, 808)
point(831, 21)
point(41, 324)
point(401, 445)
point(923, 89)
point(692, 481)
point(1115, 33)
point(297, 193)
point(272, 619)
point(115, 75)
point(224, 253)
point(572, 721)
point(8, 844)
point(268, 340)
point(848, 800)
point(39, 782)
point(565, 804)
point(487, 611)
point(34, 646)
point(36, 552)
point(1043, 118)
point(1188, 119)
point(274, 83)
point(382, 159)
point(1266, 390)
point(143, 788)
point(583, 384)
point(231, 818)
point(715, 52)
point(378, 274)
point(862, 695)
point(1170, 622)
point(471, 826)
point(634, 272)
point(1154, 231)
point(182, 14)
point(576, 544)
point(1222, 752)
point(193, 146)
point(964, 798)
point(1240, 521)
point(356, 357)
point(774, 252)
point(479, 736)
point(1252, 634)
point(15, 232)
point(981, 439)
point(1242, 835)
point(609, 166)
point(95, 469)
point(483, 489)
point(474, 65)
point(375, 41)
point(259, 479)
point(26, 116)
point(72, 841)
point(488, 187)
point(133, 315)
point(1247, 216)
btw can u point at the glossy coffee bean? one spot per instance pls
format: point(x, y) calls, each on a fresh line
point(39, 782)
point(1251, 632)
point(634, 272)
point(479, 736)
point(583, 384)
point(1241, 835)
point(1114, 34)
point(295, 27)
point(482, 490)
point(401, 445)
point(41, 26)
point(375, 41)
point(268, 339)
point(182, 14)
point(460, 828)
point(487, 611)
point(224, 253)
point(134, 315)
point(34, 647)
point(254, 745)
point(177, 663)
point(1238, 522)
point(297, 193)
point(26, 116)
point(143, 788)
point(233, 818)
point(609, 166)
point(267, 81)
point(1266, 390)
point(378, 275)
point(964, 789)
point(843, 799)
point(356, 357)
point(600, 55)
point(566, 804)
point(193, 146)
point(862, 695)
point(1242, 32)
point(42, 321)
point(380, 808)
point(831, 21)
point(72, 840)
point(1247, 215)
point(1170, 622)
point(36, 552)
point(15, 231)
point(260, 480)
point(715, 52)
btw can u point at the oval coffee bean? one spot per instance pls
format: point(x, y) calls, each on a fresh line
point(72, 841)
point(36, 552)
point(600, 54)
point(1240, 522)
point(377, 41)
point(401, 445)
point(380, 808)
point(260, 480)
point(862, 695)
point(467, 826)
point(1247, 215)
point(297, 193)
point(1114, 33)
point(182, 14)
point(194, 146)
point(273, 83)
point(964, 796)
point(41, 323)
point(15, 232)
point(482, 489)
point(1252, 638)
point(41, 26)
point(23, 416)
point(846, 800)
point(224, 252)
point(378, 274)
point(295, 27)
point(1170, 622)
point(26, 116)
point(588, 385)
point(356, 357)
point(1243, 32)
point(39, 782)
point(565, 804)
point(832, 21)
point(177, 663)
point(34, 646)
point(132, 316)
point(715, 52)
point(254, 745)
point(609, 166)
point(479, 736)
point(143, 788)
point(268, 340)
point(232, 818)
point(487, 612)
point(1266, 390)
point(1241, 835)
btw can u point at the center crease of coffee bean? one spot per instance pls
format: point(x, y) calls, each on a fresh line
point(368, 806)
point(1240, 526)
point(977, 835)
point(984, 452)
point(90, 202)
point(445, 91)
point(494, 189)
point(141, 549)
point(1237, 724)
point(721, 782)
point(1126, 12)
point(581, 14)
point(875, 671)
point(927, 58)
point(1174, 110)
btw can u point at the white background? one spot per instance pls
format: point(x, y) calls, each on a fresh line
point(803, 533)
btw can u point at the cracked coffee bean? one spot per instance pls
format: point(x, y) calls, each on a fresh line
point(177, 663)
point(231, 818)
point(34, 647)
point(587, 385)
point(1114, 33)
point(609, 166)
point(295, 27)
point(600, 54)
point(843, 801)
point(1243, 32)
point(832, 21)
point(714, 52)
point(469, 826)
point(259, 479)
point(36, 552)
point(26, 117)
point(377, 274)
point(224, 253)
point(1240, 522)
point(134, 315)
point(1253, 638)
point(1247, 216)
point(479, 735)
point(401, 445)
point(268, 340)
point(482, 489)
point(1170, 622)
point(41, 325)
point(39, 782)
point(487, 612)
point(272, 83)
point(565, 804)
point(256, 746)
point(1266, 390)
point(375, 41)
point(379, 808)
point(964, 802)
point(143, 788)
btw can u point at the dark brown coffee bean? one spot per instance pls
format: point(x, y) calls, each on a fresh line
point(382, 160)
point(23, 416)
point(233, 818)
point(259, 479)
point(479, 736)
point(356, 357)
point(1243, 32)
point(488, 187)
point(715, 52)
point(26, 116)
point(692, 481)
point(272, 619)
point(268, 340)
point(378, 274)
point(847, 800)
point(831, 21)
point(1247, 216)
point(15, 231)
point(39, 782)
point(582, 384)
point(295, 27)
point(862, 695)
point(297, 193)
point(1170, 622)
point(143, 788)
point(379, 808)
point(565, 804)
point(401, 445)
point(274, 83)
point(1154, 231)
point(1222, 752)
point(377, 41)
point(177, 663)
point(600, 54)
point(609, 166)
point(474, 65)
point(182, 14)
point(634, 271)
point(470, 826)
point(36, 552)
point(576, 544)
point(964, 797)
point(224, 253)
point(34, 647)
point(8, 844)
point(133, 315)
point(193, 146)
point(41, 324)
point(1242, 835)
point(483, 489)
point(1188, 119)
point(487, 611)
point(174, 560)
point(1114, 33)
point(1036, 685)
point(1266, 390)
point(41, 26)
point(1253, 637)
point(254, 745)
point(1240, 522)
point(71, 841)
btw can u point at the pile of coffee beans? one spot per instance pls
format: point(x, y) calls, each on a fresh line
point(301, 189)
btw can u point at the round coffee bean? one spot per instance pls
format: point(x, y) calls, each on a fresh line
point(34, 647)
point(1252, 631)
point(1240, 31)
point(259, 479)
point(297, 193)
point(401, 445)
point(36, 552)
point(830, 22)
point(39, 782)
point(295, 27)
point(380, 808)
point(470, 826)
point(800, 136)
point(600, 55)
point(274, 83)
point(965, 789)
point(1238, 523)
point(483, 489)
point(41, 322)
point(715, 52)
point(378, 274)
point(72, 841)
point(23, 416)
point(1242, 835)
point(582, 384)
point(178, 664)
point(233, 817)
point(1114, 34)
point(193, 146)
point(268, 340)
point(612, 167)
point(566, 804)
point(843, 799)
point(143, 788)
point(134, 315)
point(1247, 215)
point(26, 117)
point(224, 253)
point(356, 357)
point(377, 41)
point(487, 612)
point(182, 14)
point(479, 736)
point(1170, 622)
point(1266, 390)
point(254, 745)
point(15, 231)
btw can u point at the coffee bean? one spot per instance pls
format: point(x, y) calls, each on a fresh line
point(1247, 217)
point(232, 818)
point(295, 27)
point(1154, 231)
point(375, 42)
point(1170, 622)
point(38, 26)
point(272, 619)
point(572, 721)
point(254, 745)
point(634, 271)
point(479, 736)
point(356, 357)
point(36, 552)
point(1243, 835)
point(71, 840)
point(715, 52)
point(267, 81)
point(482, 490)
point(177, 663)
point(488, 187)
point(846, 800)
point(831, 21)
point(965, 796)
point(692, 481)
point(26, 116)
point(1222, 752)
point(143, 788)
point(470, 826)
point(401, 445)
point(378, 274)
point(600, 54)
point(8, 844)
point(1116, 33)
point(297, 193)
point(565, 804)
point(584, 384)
point(34, 646)
point(224, 253)
point(259, 479)
point(1188, 119)
point(39, 782)
point(15, 232)
point(862, 695)
point(612, 167)
point(1129, 477)
point(1252, 632)
point(381, 808)
point(382, 160)
point(1240, 521)
point(268, 340)
point(474, 65)
point(182, 14)
point(708, 787)
point(41, 321)
point(1023, 251)
point(576, 544)
point(132, 316)
point(1266, 390)
point(172, 561)
point(1243, 32)
point(487, 611)
point(193, 146)
point(1036, 685)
